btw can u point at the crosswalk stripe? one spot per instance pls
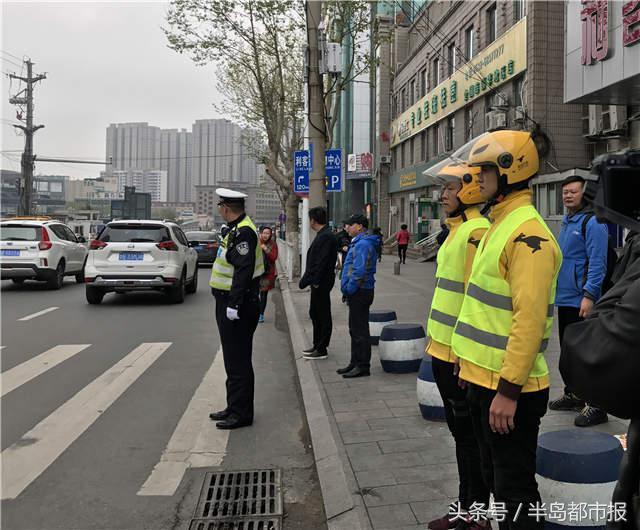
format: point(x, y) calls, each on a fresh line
point(38, 314)
point(196, 442)
point(30, 456)
point(28, 370)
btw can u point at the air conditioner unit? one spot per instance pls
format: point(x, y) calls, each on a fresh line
point(333, 58)
point(393, 210)
point(617, 117)
point(496, 119)
point(385, 159)
point(435, 195)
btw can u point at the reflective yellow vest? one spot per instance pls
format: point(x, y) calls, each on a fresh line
point(484, 322)
point(449, 292)
point(222, 270)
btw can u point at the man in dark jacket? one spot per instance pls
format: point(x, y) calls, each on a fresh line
point(358, 280)
point(320, 275)
point(600, 354)
point(584, 243)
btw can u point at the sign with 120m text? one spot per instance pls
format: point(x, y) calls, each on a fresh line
point(333, 164)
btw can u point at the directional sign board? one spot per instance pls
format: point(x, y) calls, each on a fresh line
point(301, 168)
point(333, 169)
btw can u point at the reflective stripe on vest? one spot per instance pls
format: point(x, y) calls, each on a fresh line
point(449, 292)
point(222, 270)
point(484, 323)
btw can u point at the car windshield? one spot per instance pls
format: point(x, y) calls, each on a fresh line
point(201, 236)
point(20, 233)
point(135, 234)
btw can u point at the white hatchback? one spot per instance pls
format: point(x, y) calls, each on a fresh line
point(141, 255)
point(40, 249)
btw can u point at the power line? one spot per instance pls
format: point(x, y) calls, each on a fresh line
point(11, 55)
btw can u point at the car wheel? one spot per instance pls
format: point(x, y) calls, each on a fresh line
point(176, 294)
point(17, 281)
point(94, 295)
point(57, 278)
point(193, 285)
point(80, 275)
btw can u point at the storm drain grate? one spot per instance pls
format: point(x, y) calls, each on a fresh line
point(240, 500)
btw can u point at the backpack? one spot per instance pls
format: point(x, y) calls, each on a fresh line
point(612, 257)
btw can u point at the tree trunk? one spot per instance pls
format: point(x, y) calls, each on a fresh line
point(293, 234)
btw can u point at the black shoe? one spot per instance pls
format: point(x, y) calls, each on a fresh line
point(310, 350)
point(233, 422)
point(345, 370)
point(220, 415)
point(590, 416)
point(356, 372)
point(567, 402)
point(316, 355)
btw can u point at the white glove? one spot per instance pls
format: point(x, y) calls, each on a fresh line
point(232, 314)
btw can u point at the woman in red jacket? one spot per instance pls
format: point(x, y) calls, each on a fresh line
point(402, 237)
point(270, 254)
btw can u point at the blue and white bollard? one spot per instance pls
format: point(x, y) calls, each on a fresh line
point(429, 399)
point(378, 319)
point(401, 348)
point(577, 471)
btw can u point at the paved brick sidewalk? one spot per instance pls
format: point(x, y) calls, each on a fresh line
point(404, 466)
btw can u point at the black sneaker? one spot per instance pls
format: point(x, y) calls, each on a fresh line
point(310, 350)
point(315, 355)
point(567, 402)
point(590, 416)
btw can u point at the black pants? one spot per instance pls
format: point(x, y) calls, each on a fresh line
point(567, 315)
point(402, 253)
point(359, 305)
point(472, 487)
point(509, 460)
point(236, 337)
point(263, 301)
point(320, 313)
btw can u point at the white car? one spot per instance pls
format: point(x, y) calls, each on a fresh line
point(40, 249)
point(141, 255)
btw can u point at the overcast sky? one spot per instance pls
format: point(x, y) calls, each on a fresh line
point(106, 62)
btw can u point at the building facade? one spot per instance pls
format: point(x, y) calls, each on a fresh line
point(459, 69)
point(133, 146)
point(176, 159)
point(152, 181)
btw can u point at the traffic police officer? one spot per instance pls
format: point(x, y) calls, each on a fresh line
point(235, 281)
point(505, 323)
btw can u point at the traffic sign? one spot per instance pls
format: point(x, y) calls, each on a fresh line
point(333, 169)
point(301, 168)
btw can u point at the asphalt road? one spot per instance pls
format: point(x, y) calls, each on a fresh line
point(104, 411)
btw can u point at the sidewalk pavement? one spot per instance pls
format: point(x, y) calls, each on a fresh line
point(381, 465)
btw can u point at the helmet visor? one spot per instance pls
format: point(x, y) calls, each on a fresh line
point(435, 175)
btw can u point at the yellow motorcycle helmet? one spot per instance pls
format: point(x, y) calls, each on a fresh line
point(513, 153)
point(470, 192)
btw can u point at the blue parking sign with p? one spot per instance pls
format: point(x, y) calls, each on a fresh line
point(301, 168)
point(333, 169)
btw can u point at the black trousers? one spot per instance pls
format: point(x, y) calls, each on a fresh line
point(567, 315)
point(236, 337)
point(472, 487)
point(263, 301)
point(359, 305)
point(402, 253)
point(320, 314)
point(509, 460)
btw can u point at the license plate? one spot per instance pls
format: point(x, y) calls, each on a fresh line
point(131, 256)
point(10, 252)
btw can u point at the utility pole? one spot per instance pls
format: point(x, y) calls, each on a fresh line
point(316, 129)
point(27, 163)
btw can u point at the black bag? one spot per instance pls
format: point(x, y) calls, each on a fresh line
point(612, 258)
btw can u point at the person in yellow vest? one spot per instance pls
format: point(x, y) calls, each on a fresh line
point(235, 283)
point(460, 197)
point(505, 323)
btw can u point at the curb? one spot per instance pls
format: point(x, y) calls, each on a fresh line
point(341, 510)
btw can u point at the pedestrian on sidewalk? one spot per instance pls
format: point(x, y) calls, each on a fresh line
point(505, 323)
point(403, 237)
point(358, 280)
point(460, 198)
point(584, 243)
point(270, 256)
point(235, 282)
point(378, 232)
point(320, 275)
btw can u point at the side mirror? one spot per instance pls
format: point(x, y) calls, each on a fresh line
point(81, 239)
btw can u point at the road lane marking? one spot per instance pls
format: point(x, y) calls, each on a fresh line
point(28, 370)
point(196, 442)
point(29, 457)
point(38, 314)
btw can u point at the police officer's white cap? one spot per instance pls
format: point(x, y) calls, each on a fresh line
point(230, 196)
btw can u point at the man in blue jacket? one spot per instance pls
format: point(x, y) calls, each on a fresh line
point(584, 244)
point(358, 279)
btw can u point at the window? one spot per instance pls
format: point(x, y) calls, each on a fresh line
point(451, 125)
point(70, 235)
point(181, 237)
point(423, 146)
point(469, 48)
point(451, 59)
point(135, 233)
point(394, 106)
point(403, 100)
point(586, 129)
point(492, 24)
point(20, 233)
point(412, 93)
point(436, 140)
point(403, 161)
point(468, 124)
point(518, 9)
point(411, 151)
point(56, 187)
point(519, 91)
point(436, 72)
point(42, 185)
point(423, 83)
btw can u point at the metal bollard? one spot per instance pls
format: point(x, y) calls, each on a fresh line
point(396, 268)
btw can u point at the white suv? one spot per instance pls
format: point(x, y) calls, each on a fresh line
point(139, 255)
point(40, 249)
